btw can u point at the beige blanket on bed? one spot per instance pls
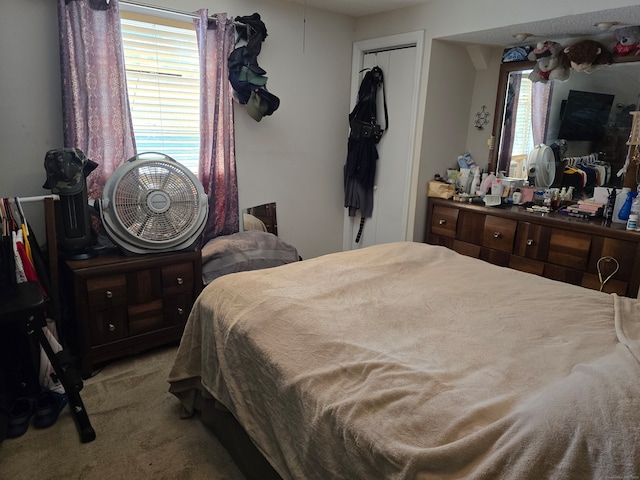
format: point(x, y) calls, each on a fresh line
point(408, 360)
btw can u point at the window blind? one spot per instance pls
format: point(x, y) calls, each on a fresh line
point(523, 137)
point(163, 82)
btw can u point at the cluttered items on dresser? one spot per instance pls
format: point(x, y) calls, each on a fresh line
point(544, 181)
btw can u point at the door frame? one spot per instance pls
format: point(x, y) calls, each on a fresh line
point(381, 44)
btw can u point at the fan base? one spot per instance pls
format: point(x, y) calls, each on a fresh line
point(84, 255)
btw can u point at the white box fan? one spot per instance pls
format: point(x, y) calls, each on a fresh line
point(153, 204)
point(541, 166)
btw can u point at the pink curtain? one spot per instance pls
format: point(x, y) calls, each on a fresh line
point(95, 103)
point(217, 171)
point(540, 106)
point(509, 122)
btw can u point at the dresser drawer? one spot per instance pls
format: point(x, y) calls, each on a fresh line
point(569, 249)
point(613, 257)
point(525, 264)
point(444, 221)
point(581, 252)
point(177, 278)
point(106, 292)
point(530, 241)
point(499, 233)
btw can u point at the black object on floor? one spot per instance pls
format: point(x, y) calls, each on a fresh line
point(4, 417)
point(24, 303)
point(48, 407)
point(20, 415)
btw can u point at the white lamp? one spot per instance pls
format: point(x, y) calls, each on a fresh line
point(605, 25)
point(522, 36)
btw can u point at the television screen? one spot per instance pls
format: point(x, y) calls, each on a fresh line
point(585, 115)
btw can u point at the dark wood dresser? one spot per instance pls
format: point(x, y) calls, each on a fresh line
point(553, 245)
point(119, 305)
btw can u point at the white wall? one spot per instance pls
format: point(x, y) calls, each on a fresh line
point(293, 157)
point(30, 105)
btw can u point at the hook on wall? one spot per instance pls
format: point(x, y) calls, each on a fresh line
point(482, 118)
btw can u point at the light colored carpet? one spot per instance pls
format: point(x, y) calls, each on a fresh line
point(140, 434)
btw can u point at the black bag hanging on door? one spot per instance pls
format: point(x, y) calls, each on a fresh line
point(362, 155)
point(363, 117)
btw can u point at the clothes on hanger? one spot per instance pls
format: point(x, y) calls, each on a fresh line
point(585, 172)
point(21, 261)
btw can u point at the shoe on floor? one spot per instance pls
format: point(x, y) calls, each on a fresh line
point(48, 407)
point(5, 408)
point(19, 416)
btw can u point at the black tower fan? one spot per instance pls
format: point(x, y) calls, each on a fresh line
point(67, 169)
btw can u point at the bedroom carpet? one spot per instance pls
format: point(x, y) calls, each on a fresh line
point(139, 433)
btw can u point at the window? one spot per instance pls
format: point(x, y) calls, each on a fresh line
point(163, 81)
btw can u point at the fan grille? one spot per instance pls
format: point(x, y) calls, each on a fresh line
point(155, 201)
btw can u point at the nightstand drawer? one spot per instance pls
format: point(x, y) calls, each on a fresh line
point(145, 317)
point(177, 278)
point(107, 326)
point(177, 308)
point(107, 292)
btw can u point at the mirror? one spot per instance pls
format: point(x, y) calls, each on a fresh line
point(589, 110)
point(261, 217)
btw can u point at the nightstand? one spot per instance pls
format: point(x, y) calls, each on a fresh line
point(121, 305)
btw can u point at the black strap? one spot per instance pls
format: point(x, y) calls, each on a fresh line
point(384, 100)
point(360, 230)
point(368, 99)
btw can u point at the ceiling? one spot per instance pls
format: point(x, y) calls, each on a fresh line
point(582, 25)
point(359, 8)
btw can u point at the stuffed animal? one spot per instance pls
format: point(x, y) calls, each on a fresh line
point(550, 64)
point(588, 55)
point(627, 41)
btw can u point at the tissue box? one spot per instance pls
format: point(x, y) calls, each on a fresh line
point(441, 190)
point(527, 193)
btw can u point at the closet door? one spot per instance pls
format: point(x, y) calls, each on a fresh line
point(393, 170)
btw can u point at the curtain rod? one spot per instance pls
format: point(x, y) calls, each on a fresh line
point(37, 198)
point(164, 9)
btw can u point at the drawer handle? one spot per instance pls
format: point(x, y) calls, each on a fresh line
point(529, 242)
point(109, 294)
point(497, 234)
point(112, 327)
point(441, 222)
point(179, 280)
point(180, 311)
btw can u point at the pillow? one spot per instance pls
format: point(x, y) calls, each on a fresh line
point(250, 222)
point(242, 251)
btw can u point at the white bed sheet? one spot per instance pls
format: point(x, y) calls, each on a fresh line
point(408, 360)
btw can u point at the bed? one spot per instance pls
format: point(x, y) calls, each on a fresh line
point(410, 361)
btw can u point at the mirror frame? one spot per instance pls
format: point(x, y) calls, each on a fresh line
point(270, 219)
point(505, 70)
